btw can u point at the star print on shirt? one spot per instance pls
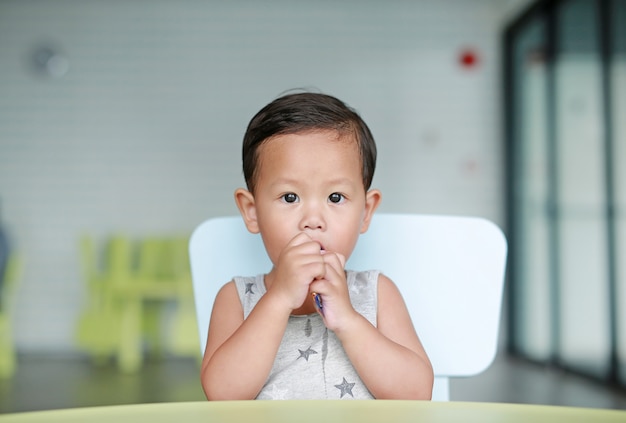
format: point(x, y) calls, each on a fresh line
point(249, 287)
point(306, 353)
point(345, 388)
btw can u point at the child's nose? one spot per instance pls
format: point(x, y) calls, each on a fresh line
point(312, 219)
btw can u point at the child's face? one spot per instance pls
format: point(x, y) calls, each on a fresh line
point(312, 183)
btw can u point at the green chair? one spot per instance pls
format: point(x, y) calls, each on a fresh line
point(155, 287)
point(128, 299)
point(106, 322)
point(165, 279)
point(8, 362)
point(184, 340)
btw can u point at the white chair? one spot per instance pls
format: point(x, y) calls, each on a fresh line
point(450, 271)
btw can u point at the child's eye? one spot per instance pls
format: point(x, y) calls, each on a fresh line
point(290, 197)
point(336, 198)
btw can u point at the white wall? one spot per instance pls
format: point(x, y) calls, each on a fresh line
point(142, 134)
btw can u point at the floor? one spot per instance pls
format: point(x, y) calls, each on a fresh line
point(61, 382)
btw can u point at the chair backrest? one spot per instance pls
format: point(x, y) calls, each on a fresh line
point(450, 271)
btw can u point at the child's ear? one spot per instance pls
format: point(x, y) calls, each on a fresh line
point(372, 200)
point(247, 208)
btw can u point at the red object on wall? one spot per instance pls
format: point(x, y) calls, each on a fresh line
point(468, 58)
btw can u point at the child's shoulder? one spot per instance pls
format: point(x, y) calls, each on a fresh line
point(388, 292)
point(386, 283)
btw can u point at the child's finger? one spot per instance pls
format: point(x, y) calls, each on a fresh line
point(336, 261)
point(299, 239)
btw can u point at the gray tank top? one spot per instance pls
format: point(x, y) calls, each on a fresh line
point(311, 362)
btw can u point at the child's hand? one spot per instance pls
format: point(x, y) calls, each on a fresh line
point(298, 265)
point(334, 291)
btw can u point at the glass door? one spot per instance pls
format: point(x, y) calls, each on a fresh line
point(565, 102)
point(584, 332)
point(617, 75)
point(532, 253)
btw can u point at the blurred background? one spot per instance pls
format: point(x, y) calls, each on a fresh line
point(120, 131)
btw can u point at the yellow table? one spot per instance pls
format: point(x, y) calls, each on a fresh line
point(321, 412)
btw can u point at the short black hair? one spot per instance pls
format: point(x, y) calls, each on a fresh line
point(304, 112)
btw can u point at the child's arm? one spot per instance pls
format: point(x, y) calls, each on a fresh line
point(393, 364)
point(239, 353)
point(389, 358)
